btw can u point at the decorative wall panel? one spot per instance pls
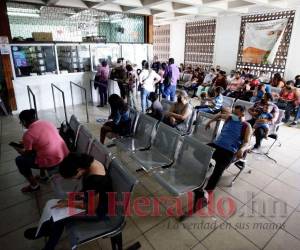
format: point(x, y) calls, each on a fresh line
point(161, 42)
point(199, 42)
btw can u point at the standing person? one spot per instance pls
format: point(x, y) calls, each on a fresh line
point(95, 180)
point(101, 82)
point(43, 148)
point(156, 64)
point(131, 86)
point(161, 73)
point(170, 80)
point(120, 76)
point(120, 121)
point(147, 80)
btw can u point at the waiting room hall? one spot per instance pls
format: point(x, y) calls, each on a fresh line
point(149, 125)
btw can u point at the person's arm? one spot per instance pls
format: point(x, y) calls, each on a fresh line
point(217, 118)
point(246, 141)
point(275, 113)
point(156, 77)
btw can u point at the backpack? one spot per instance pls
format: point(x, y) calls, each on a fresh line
point(68, 135)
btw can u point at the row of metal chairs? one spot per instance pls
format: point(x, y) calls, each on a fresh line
point(82, 232)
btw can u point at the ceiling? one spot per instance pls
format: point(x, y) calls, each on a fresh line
point(165, 11)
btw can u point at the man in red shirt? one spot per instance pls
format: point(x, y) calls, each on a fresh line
point(43, 148)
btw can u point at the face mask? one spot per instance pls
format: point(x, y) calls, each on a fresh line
point(235, 118)
point(298, 82)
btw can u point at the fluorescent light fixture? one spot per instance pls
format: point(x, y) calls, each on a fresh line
point(23, 14)
point(116, 20)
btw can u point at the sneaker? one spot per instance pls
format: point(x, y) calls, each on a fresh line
point(293, 124)
point(255, 151)
point(30, 189)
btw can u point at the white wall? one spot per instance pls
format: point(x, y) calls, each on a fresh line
point(293, 62)
point(177, 41)
point(227, 41)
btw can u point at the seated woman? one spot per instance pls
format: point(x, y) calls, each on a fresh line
point(156, 109)
point(179, 113)
point(120, 121)
point(94, 179)
point(277, 81)
point(215, 104)
point(287, 99)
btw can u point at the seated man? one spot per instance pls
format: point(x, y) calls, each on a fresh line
point(156, 109)
point(179, 113)
point(43, 148)
point(215, 104)
point(231, 144)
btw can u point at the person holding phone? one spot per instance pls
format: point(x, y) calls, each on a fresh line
point(42, 148)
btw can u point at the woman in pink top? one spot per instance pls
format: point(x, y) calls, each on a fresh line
point(42, 148)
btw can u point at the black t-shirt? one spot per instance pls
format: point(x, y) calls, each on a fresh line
point(100, 185)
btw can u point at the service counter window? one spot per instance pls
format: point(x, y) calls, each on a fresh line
point(108, 52)
point(135, 53)
point(73, 58)
point(33, 60)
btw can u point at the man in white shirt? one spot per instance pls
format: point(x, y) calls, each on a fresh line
point(147, 80)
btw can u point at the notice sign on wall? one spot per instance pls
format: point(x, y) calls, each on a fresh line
point(4, 49)
point(262, 40)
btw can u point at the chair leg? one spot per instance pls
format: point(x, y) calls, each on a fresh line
point(117, 242)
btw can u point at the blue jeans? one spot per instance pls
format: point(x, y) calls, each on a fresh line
point(297, 117)
point(144, 100)
point(170, 92)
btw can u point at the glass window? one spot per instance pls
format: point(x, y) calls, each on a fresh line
point(109, 52)
point(34, 60)
point(75, 58)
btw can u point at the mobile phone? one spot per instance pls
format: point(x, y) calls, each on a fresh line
point(15, 145)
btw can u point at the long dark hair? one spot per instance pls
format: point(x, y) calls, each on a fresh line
point(70, 165)
point(117, 104)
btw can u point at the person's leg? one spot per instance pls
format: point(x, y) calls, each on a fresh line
point(167, 92)
point(25, 163)
point(143, 100)
point(148, 103)
point(172, 93)
point(289, 108)
point(101, 96)
point(106, 128)
point(105, 95)
point(259, 135)
point(57, 229)
point(297, 118)
point(205, 110)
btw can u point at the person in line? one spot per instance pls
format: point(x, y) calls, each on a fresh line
point(171, 77)
point(156, 64)
point(43, 148)
point(263, 121)
point(215, 105)
point(119, 74)
point(179, 113)
point(156, 109)
point(95, 179)
point(160, 85)
point(287, 100)
point(277, 81)
point(148, 78)
point(255, 112)
point(119, 120)
point(131, 86)
point(101, 82)
point(232, 143)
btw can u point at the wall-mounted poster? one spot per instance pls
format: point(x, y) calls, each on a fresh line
point(262, 40)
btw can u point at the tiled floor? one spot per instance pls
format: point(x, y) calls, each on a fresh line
point(265, 203)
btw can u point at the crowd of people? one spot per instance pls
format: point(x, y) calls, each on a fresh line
point(43, 148)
